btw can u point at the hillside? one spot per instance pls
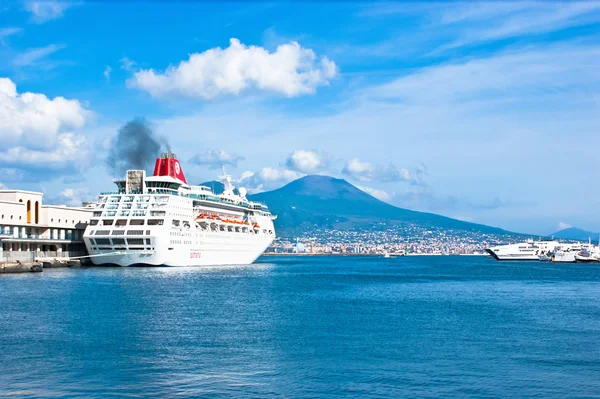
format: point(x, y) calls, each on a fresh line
point(573, 233)
point(326, 202)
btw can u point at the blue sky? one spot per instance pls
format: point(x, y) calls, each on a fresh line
point(487, 112)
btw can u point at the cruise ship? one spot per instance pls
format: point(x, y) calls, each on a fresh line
point(528, 250)
point(161, 220)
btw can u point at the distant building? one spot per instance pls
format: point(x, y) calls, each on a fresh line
point(29, 229)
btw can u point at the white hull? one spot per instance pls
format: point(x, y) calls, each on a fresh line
point(564, 257)
point(515, 257)
point(204, 249)
point(529, 250)
point(181, 258)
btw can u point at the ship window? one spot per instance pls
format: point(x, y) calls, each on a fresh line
point(102, 241)
point(147, 241)
point(92, 222)
point(121, 222)
point(135, 241)
point(118, 241)
point(107, 222)
point(155, 222)
point(135, 232)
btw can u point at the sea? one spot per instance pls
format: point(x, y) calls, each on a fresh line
point(305, 327)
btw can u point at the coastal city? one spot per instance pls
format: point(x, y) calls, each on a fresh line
point(393, 240)
point(301, 199)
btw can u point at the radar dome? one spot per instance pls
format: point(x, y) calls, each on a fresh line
point(242, 191)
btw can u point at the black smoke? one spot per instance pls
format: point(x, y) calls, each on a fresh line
point(135, 147)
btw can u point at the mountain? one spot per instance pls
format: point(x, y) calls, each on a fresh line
point(573, 233)
point(326, 202)
point(216, 186)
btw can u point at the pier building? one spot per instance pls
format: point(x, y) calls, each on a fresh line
point(30, 230)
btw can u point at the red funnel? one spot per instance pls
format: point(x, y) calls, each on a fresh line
point(168, 165)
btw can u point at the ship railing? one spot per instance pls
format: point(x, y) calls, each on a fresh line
point(251, 205)
point(113, 192)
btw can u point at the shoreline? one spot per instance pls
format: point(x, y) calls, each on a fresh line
point(364, 255)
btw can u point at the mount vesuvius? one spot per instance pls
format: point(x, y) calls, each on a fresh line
point(317, 201)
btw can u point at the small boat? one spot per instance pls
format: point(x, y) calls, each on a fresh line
point(386, 255)
point(586, 257)
point(564, 256)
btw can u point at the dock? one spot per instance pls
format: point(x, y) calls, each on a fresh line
point(37, 266)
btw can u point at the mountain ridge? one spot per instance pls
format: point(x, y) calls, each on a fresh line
point(574, 233)
point(317, 201)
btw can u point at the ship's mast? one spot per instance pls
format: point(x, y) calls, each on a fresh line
point(227, 185)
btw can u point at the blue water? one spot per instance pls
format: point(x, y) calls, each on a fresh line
point(303, 328)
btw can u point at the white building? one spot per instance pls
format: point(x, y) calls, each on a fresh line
point(30, 230)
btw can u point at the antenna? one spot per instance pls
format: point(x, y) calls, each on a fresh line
point(227, 186)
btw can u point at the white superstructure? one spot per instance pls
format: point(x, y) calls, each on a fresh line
point(528, 250)
point(546, 250)
point(577, 253)
point(161, 220)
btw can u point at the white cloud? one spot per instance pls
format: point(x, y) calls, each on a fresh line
point(307, 161)
point(69, 154)
point(510, 77)
point(8, 31)
point(365, 171)
point(33, 56)
point(562, 226)
point(216, 158)
point(127, 64)
point(45, 10)
point(359, 170)
point(74, 196)
point(267, 179)
point(291, 70)
point(480, 22)
point(379, 194)
point(33, 119)
point(36, 132)
point(107, 72)
point(467, 23)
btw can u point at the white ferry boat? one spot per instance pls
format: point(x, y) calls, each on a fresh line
point(161, 220)
point(528, 250)
point(577, 253)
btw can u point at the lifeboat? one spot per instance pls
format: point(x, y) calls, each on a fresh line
point(256, 226)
